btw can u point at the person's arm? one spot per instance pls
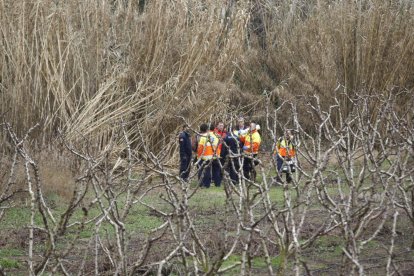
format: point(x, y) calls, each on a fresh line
point(293, 149)
point(181, 140)
point(194, 143)
point(225, 148)
point(256, 142)
point(188, 145)
point(278, 148)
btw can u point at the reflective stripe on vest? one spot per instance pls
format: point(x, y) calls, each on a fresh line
point(205, 148)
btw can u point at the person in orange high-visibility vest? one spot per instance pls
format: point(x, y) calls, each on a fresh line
point(220, 132)
point(205, 152)
point(251, 147)
point(285, 153)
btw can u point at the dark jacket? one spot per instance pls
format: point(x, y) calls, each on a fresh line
point(230, 143)
point(185, 144)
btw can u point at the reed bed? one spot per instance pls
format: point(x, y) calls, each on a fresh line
point(80, 67)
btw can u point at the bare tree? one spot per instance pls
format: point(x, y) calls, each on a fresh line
point(354, 180)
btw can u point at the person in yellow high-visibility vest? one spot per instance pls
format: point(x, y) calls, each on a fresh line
point(206, 147)
point(218, 132)
point(285, 153)
point(251, 144)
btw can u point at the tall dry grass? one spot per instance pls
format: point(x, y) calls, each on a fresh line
point(328, 47)
point(83, 66)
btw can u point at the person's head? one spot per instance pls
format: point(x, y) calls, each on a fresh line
point(288, 134)
point(220, 126)
point(203, 128)
point(252, 126)
point(240, 122)
point(212, 127)
point(185, 127)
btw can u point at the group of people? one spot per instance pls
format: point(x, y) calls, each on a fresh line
point(234, 150)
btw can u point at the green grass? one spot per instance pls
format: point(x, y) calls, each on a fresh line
point(258, 263)
point(330, 244)
point(276, 194)
point(7, 263)
point(207, 207)
point(8, 257)
point(141, 221)
point(17, 217)
point(139, 218)
point(206, 199)
point(10, 252)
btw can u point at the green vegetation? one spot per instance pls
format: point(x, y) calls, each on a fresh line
point(207, 207)
point(11, 252)
point(18, 217)
point(329, 247)
point(257, 263)
point(9, 263)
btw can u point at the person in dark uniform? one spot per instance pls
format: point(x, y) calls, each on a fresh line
point(230, 153)
point(184, 139)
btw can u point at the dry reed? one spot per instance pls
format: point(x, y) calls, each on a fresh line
point(83, 66)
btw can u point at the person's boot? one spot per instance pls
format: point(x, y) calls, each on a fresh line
point(277, 180)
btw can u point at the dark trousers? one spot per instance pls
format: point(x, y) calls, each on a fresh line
point(248, 167)
point(204, 173)
point(279, 171)
point(185, 162)
point(216, 172)
point(233, 167)
point(279, 164)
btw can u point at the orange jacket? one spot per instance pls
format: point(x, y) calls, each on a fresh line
point(220, 135)
point(206, 146)
point(252, 142)
point(285, 148)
